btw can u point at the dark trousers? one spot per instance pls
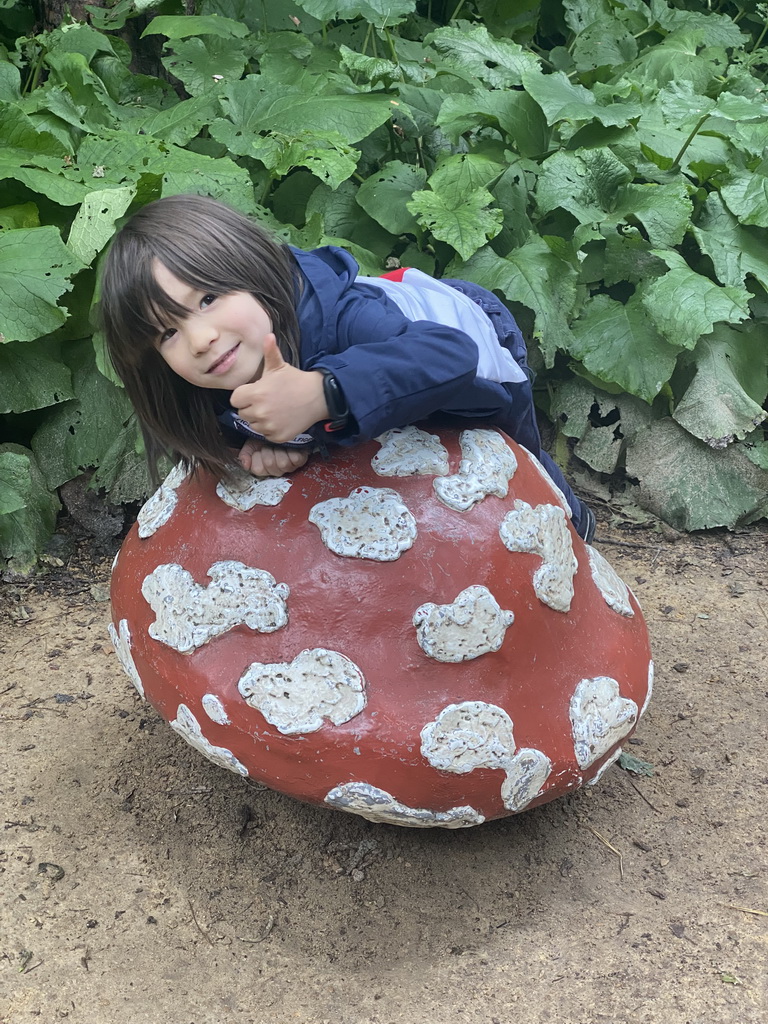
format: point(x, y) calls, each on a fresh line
point(519, 421)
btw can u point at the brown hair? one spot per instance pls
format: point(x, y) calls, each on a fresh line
point(208, 246)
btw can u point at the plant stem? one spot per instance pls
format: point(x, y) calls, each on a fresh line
point(455, 14)
point(689, 140)
point(760, 38)
point(420, 152)
point(367, 37)
point(392, 49)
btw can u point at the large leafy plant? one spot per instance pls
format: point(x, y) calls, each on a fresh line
point(599, 164)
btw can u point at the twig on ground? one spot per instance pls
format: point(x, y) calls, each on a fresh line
point(745, 910)
point(611, 848)
point(640, 793)
point(204, 933)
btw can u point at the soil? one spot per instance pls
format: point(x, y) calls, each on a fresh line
point(142, 884)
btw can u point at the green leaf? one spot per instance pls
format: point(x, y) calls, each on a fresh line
point(692, 486)
point(617, 343)
point(604, 43)
point(206, 65)
point(512, 195)
point(123, 472)
point(684, 305)
point(221, 179)
point(464, 223)
point(534, 276)
point(636, 765)
point(500, 63)
point(513, 113)
point(747, 198)
point(27, 509)
point(455, 209)
point(10, 82)
point(35, 270)
point(464, 172)
point(79, 38)
point(716, 29)
point(629, 257)
point(679, 57)
point(20, 133)
point(32, 377)
point(585, 184)
point(380, 13)
point(94, 223)
point(384, 196)
point(76, 435)
point(179, 123)
point(254, 109)
point(57, 188)
point(662, 144)
point(573, 406)
point(183, 25)
point(735, 251)
point(372, 69)
point(342, 217)
point(663, 210)
point(24, 215)
point(87, 90)
point(724, 401)
point(562, 101)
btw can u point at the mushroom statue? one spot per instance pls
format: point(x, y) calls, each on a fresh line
point(410, 630)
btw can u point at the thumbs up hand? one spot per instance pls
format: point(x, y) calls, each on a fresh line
point(284, 401)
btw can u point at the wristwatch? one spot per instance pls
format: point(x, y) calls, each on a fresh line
point(338, 410)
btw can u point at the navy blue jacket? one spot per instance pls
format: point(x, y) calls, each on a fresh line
point(394, 371)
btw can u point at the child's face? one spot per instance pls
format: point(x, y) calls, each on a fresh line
point(220, 343)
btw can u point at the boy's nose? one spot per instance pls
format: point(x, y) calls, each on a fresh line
point(201, 335)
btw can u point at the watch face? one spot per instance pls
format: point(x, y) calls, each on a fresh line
point(338, 410)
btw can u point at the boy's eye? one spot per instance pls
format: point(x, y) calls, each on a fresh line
point(207, 300)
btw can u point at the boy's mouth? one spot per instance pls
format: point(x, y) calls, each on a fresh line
point(225, 362)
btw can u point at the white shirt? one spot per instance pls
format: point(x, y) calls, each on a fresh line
point(421, 297)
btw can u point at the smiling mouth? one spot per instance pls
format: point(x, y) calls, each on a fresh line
point(225, 362)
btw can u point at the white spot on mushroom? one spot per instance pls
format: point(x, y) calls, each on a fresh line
point(609, 583)
point(549, 481)
point(487, 466)
point(472, 625)
point(121, 639)
point(468, 736)
point(600, 717)
point(244, 491)
point(649, 692)
point(377, 805)
point(373, 522)
point(543, 531)
point(186, 725)
point(158, 509)
point(213, 707)
point(605, 766)
point(407, 451)
point(527, 772)
point(188, 615)
point(298, 697)
point(474, 734)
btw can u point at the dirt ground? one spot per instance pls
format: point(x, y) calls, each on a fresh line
point(142, 884)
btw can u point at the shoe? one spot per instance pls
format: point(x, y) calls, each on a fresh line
point(587, 524)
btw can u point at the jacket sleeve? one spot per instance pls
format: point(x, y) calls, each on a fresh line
point(393, 371)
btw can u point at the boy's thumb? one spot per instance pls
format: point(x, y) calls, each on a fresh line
point(273, 357)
